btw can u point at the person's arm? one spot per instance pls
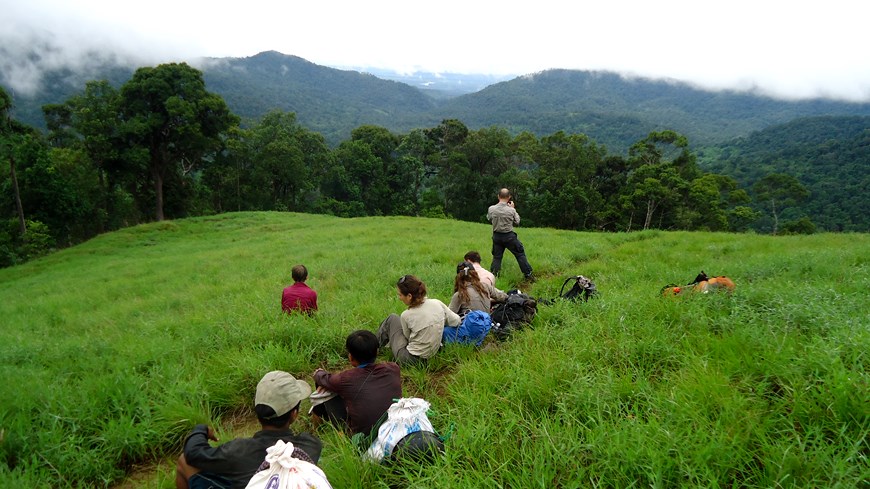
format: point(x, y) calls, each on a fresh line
point(455, 305)
point(321, 377)
point(330, 382)
point(453, 319)
point(496, 295)
point(200, 454)
point(516, 216)
point(285, 304)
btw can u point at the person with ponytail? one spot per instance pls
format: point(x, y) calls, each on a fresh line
point(415, 336)
point(470, 293)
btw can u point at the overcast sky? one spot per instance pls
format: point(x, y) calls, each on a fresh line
point(792, 49)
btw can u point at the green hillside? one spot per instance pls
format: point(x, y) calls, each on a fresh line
point(113, 349)
point(830, 156)
point(329, 101)
point(617, 111)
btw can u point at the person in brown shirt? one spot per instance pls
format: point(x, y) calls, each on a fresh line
point(364, 392)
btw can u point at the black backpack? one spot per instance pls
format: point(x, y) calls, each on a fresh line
point(582, 288)
point(519, 309)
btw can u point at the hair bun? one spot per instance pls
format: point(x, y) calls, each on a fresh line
point(464, 267)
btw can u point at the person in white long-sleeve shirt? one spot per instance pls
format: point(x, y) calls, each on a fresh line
point(415, 336)
point(485, 275)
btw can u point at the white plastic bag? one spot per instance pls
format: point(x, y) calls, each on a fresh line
point(286, 472)
point(407, 415)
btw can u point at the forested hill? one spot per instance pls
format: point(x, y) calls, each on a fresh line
point(329, 101)
point(618, 111)
point(612, 110)
point(830, 156)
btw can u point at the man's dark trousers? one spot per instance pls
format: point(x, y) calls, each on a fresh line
point(500, 241)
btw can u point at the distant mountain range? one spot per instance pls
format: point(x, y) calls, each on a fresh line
point(823, 143)
point(437, 85)
point(609, 108)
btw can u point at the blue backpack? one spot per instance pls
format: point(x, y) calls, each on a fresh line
point(473, 329)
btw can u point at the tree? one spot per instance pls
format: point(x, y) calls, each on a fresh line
point(10, 130)
point(657, 183)
point(471, 173)
point(654, 187)
point(741, 217)
point(167, 111)
point(609, 182)
point(708, 198)
point(565, 194)
point(779, 190)
point(802, 226)
point(413, 153)
point(281, 162)
point(89, 121)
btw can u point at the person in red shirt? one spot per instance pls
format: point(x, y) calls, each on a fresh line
point(299, 297)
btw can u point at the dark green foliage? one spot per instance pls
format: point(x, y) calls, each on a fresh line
point(275, 165)
point(15, 248)
point(168, 112)
point(829, 156)
point(778, 190)
point(53, 187)
point(370, 176)
point(567, 194)
point(163, 145)
point(802, 226)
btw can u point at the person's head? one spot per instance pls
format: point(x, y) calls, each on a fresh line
point(300, 273)
point(466, 275)
point(466, 272)
point(278, 397)
point(412, 290)
point(472, 256)
point(504, 195)
point(362, 346)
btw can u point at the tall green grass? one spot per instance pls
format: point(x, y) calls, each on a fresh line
point(112, 350)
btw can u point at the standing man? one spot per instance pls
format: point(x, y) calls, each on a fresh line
point(299, 296)
point(504, 217)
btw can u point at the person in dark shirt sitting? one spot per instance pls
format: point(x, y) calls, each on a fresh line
point(364, 392)
point(231, 465)
point(299, 296)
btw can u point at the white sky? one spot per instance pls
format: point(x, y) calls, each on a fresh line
point(792, 49)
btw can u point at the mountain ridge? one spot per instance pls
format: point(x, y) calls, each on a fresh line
point(611, 108)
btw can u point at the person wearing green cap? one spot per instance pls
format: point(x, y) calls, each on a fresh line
point(232, 464)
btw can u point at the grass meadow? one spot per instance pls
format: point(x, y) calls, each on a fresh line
point(112, 350)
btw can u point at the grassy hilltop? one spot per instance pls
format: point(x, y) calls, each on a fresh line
point(113, 349)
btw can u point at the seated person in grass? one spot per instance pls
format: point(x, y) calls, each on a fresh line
point(364, 392)
point(299, 296)
point(472, 294)
point(415, 336)
point(231, 465)
point(485, 275)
